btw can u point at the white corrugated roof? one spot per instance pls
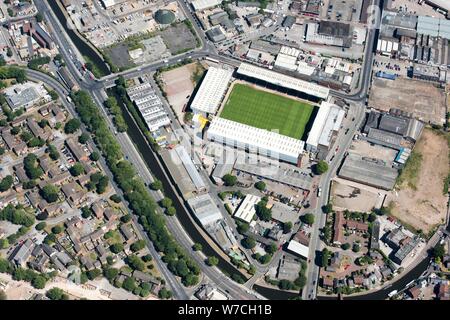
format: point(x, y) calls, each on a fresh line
point(298, 248)
point(286, 61)
point(283, 80)
point(212, 89)
point(258, 140)
point(246, 210)
point(205, 4)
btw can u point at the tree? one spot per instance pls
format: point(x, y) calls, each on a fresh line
point(83, 138)
point(345, 246)
point(163, 293)
point(300, 281)
point(356, 247)
point(72, 126)
point(271, 248)
point(50, 193)
point(197, 247)
point(287, 227)
point(328, 208)
point(171, 211)
point(40, 226)
point(39, 282)
point(53, 152)
point(262, 211)
point(248, 242)
point(116, 247)
point(6, 183)
point(265, 258)
point(77, 169)
point(57, 229)
point(321, 167)
point(86, 212)
point(32, 169)
point(372, 217)
point(93, 274)
point(129, 284)
point(50, 239)
point(212, 261)
point(147, 258)
point(166, 202)
point(308, 219)
point(94, 156)
point(156, 185)
point(126, 218)
point(135, 262)
point(115, 198)
point(56, 294)
point(438, 251)
point(242, 227)
point(110, 273)
point(325, 257)
point(260, 185)
point(137, 246)
point(39, 17)
point(9, 52)
point(229, 180)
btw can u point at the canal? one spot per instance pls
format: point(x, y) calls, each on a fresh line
point(275, 294)
point(183, 216)
point(81, 45)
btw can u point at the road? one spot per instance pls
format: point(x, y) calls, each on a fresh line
point(343, 141)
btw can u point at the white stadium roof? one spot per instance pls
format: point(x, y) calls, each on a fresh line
point(211, 91)
point(283, 80)
point(328, 119)
point(264, 142)
point(246, 210)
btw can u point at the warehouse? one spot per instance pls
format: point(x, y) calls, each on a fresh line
point(295, 178)
point(284, 81)
point(255, 140)
point(205, 209)
point(199, 5)
point(149, 105)
point(246, 211)
point(372, 172)
point(326, 125)
point(298, 248)
point(434, 27)
point(211, 91)
point(183, 157)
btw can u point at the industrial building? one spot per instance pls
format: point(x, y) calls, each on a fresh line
point(211, 91)
point(199, 5)
point(298, 248)
point(180, 155)
point(325, 127)
point(216, 34)
point(295, 178)
point(284, 81)
point(255, 140)
point(433, 27)
point(246, 211)
point(25, 95)
point(149, 104)
point(329, 33)
point(205, 209)
point(369, 171)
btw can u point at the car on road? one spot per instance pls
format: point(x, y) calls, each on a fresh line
point(319, 192)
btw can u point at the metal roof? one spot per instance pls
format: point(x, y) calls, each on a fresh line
point(283, 80)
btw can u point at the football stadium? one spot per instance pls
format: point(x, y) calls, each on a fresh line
point(266, 110)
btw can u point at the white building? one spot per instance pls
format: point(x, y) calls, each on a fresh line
point(199, 5)
point(205, 209)
point(298, 248)
point(287, 62)
point(149, 105)
point(26, 95)
point(255, 140)
point(282, 80)
point(246, 210)
point(211, 91)
point(328, 121)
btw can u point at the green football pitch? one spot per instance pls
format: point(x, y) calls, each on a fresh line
point(266, 110)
